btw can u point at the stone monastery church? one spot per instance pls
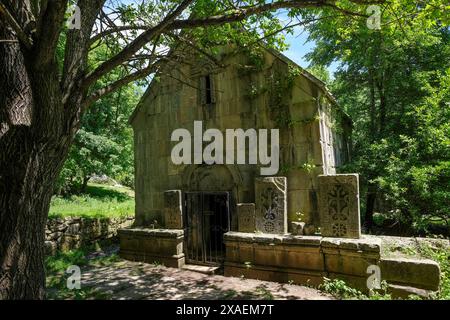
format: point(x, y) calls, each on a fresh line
point(300, 224)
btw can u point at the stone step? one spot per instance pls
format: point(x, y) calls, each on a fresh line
point(403, 292)
point(201, 269)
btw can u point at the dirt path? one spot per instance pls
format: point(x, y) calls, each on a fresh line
point(134, 280)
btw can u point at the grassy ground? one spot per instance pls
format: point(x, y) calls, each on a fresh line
point(98, 201)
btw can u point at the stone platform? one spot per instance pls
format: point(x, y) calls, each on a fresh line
point(308, 259)
point(303, 260)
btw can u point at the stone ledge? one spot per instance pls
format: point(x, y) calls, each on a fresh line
point(366, 244)
point(174, 261)
point(369, 244)
point(268, 239)
point(403, 292)
point(153, 233)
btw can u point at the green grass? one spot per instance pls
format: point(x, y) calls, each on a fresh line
point(98, 201)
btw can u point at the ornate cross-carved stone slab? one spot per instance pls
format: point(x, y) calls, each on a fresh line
point(271, 205)
point(246, 217)
point(173, 209)
point(339, 206)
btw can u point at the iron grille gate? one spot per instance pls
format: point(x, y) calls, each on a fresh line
point(207, 219)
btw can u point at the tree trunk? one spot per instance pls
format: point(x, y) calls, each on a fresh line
point(34, 143)
point(26, 186)
point(84, 184)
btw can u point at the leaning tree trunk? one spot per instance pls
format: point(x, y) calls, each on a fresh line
point(33, 145)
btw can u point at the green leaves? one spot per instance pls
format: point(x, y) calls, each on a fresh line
point(395, 84)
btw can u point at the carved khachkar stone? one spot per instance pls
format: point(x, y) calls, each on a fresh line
point(173, 210)
point(339, 206)
point(246, 217)
point(271, 205)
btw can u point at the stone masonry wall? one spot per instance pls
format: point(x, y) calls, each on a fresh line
point(73, 232)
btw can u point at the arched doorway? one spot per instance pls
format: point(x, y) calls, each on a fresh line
point(209, 193)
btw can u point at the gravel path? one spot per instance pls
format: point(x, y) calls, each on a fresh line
point(133, 280)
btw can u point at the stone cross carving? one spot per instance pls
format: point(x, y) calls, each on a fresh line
point(173, 209)
point(271, 205)
point(339, 206)
point(246, 217)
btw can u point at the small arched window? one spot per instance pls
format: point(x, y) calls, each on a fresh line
point(207, 91)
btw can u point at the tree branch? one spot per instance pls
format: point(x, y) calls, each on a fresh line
point(96, 95)
point(21, 35)
point(245, 12)
point(134, 46)
point(116, 29)
point(77, 46)
point(170, 23)
point(50, 29)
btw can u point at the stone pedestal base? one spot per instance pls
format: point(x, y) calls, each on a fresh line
point(278, 258)
point(307, 259)
point(162, 246)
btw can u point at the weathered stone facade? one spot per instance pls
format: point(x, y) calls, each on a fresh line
point(263, 227)
point(313, 132)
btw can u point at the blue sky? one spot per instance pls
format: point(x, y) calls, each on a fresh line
point(298, 46)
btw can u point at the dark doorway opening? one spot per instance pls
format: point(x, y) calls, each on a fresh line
point(207, 218)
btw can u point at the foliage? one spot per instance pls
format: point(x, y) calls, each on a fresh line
point(98, 201)
point(394, 83)
point(340, 289)
point(104, 143)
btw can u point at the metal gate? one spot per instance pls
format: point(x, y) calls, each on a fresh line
point(207, 218)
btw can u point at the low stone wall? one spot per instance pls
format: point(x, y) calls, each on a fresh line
point(73, 232)
point(153, 246)
point(307, 259)
point(302, 260)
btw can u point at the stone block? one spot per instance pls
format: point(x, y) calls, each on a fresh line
point(419, 273)
point(351, 257)
point(366, 244)
point(403, 292)
point(246, 217)
point(153, 245)
point(297, 228)
point(304, 258)
point(50, 247)
point(173, 209)
point(349, 262)
point(271, 205)
point(267, 273)
point(339, 206)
